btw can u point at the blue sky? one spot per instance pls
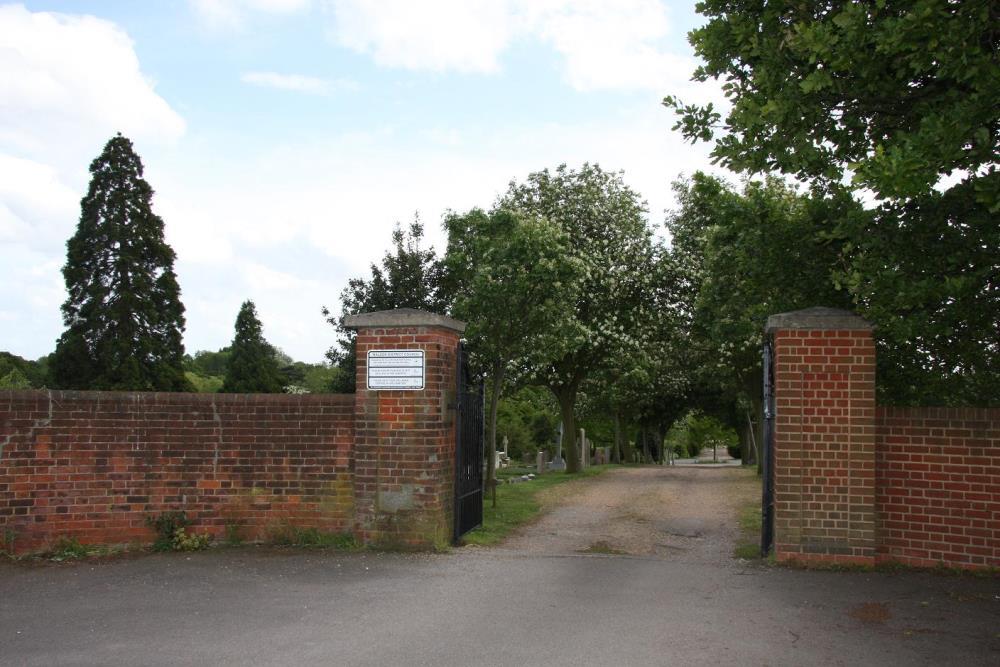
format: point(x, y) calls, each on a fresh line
point(285, 138)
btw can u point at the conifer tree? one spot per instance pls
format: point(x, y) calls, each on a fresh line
point(252, 367)
point(124, 319)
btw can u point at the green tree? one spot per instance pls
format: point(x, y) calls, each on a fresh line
point(744, 255)
point(897, 99)
point(410, 276)
point(208, 363)
point(252, 366)
point(35, 372)
point(648, 386)
point(15, 379)
point(520, 280)
point(124, 319)
point(605, 222)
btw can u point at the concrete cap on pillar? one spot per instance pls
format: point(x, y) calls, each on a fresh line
point(403, 317)
point(818, 318)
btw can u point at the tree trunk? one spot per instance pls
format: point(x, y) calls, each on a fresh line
point(567, 401)
point(645, 445)
point(616, 454)
point(491, 449)
point(627, 453)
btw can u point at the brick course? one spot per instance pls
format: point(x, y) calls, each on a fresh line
point(94, 465)
point(938, 492)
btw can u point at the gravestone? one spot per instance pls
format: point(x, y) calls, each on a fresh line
point(557, 462)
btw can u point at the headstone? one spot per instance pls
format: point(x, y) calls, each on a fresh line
point(505, 453)
point(540, 462)
point(584, 450)
point(557, 462)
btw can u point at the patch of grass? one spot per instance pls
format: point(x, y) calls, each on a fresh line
point(292, 536)
point(518, 504)
point(69, 548)
point(234, 534)
point(749, 519)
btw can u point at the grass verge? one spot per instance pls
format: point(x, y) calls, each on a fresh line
point(518, 504)
point(748, 517)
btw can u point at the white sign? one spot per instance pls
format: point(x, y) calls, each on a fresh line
point(395, 369)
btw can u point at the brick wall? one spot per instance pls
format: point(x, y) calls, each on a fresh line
point(860, 484)
point(94, 465)
point(938, 492)
point(406, 443)
point(824, 445)
point(380, 464)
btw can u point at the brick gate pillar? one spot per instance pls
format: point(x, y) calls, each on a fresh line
point(405, 438)
point(824, 439)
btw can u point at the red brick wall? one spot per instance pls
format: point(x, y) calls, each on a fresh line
point(93, 465)
point(938, 492)
point(406, 443)
point(824, 445)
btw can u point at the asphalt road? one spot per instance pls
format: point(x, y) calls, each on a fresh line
point(505, 606)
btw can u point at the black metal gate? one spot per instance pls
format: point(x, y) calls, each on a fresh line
point(470, 430)
point(767, 456)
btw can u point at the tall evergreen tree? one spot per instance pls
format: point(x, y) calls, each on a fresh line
point(252, 366)
point(410, 276)
point(124, 319)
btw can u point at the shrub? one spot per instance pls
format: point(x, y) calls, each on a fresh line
point(171, 529)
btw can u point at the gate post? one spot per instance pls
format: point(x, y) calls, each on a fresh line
point(405, 427)
point(824, 436)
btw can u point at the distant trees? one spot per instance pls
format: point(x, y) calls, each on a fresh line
point(124, 319)
point(251, 367)
point(15, 372)
point(410, 276)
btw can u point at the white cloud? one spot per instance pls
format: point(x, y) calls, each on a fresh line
point(232, 14)
point(65, 79)
point(299, 83)
point(461, 35)
point(610, 45)
point(604, 45)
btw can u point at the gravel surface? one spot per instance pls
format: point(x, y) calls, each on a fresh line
point(676, 513)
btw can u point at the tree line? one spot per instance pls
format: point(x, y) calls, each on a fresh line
point(862, 141)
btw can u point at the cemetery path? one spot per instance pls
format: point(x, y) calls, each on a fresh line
point(675, 513)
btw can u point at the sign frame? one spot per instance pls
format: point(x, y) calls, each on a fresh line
point(414, 359)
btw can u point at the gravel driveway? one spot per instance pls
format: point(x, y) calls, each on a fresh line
point(683, 514)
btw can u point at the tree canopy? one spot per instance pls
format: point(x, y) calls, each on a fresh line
point(897, 93)
point(124, 319)
point(251, 366)
point(895, 101)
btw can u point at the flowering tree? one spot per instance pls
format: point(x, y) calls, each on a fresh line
point(604, 223)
